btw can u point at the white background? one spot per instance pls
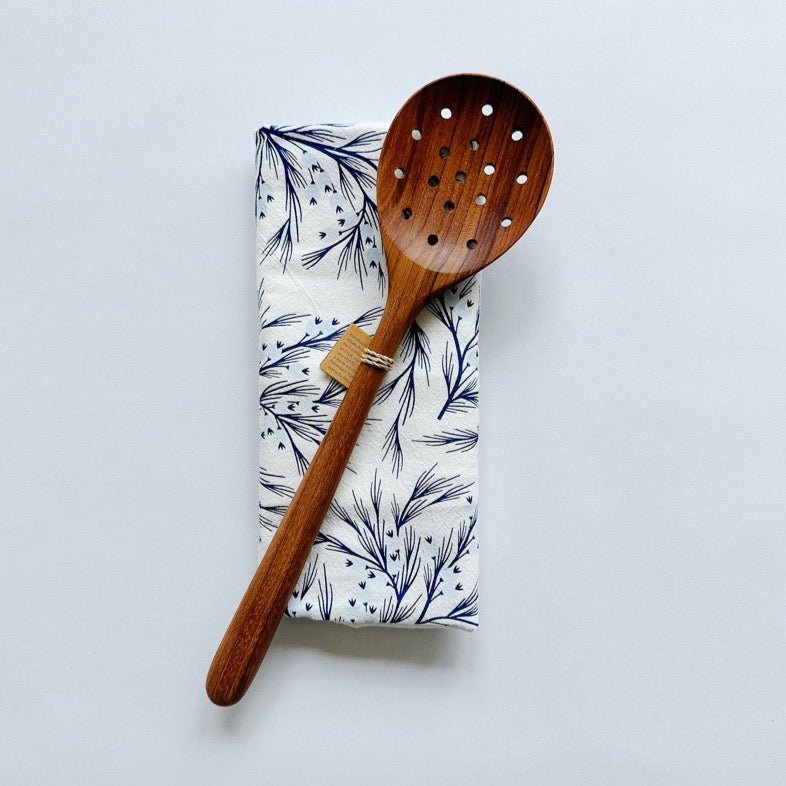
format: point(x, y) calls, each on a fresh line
point(633, 459)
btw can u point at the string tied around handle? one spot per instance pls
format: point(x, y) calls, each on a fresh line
point(371, 358)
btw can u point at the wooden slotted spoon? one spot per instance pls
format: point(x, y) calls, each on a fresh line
point(464, 170)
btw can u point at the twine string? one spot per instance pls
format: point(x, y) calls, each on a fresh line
point(372, 358)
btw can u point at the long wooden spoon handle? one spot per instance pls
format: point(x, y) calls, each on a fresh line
point(255, 622)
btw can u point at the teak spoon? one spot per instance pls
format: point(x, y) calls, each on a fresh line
point(464, 170)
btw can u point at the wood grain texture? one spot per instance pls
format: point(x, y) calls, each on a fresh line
point(463, 172)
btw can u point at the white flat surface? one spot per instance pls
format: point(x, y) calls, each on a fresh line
point(633, 386)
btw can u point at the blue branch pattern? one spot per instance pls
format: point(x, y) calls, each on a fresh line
point(390, 550)
point(459, 362)
point(292, 154)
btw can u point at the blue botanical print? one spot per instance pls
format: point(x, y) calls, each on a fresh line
point(461, 439)
point(415, 350)
point(399, 545)
point(299, 159)
point(293, 415)
point(459, 362)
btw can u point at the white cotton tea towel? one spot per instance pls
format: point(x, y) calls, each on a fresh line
point(400, 543)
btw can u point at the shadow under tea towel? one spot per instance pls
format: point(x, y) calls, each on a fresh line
point(400, 543)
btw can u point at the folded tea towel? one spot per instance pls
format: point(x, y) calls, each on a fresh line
point(400, 543)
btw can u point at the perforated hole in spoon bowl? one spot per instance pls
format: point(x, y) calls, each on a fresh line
point(459, 193)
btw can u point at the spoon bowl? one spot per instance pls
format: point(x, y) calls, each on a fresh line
point(463, 172)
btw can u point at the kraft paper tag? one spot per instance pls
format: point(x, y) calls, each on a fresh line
point(343, 360)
